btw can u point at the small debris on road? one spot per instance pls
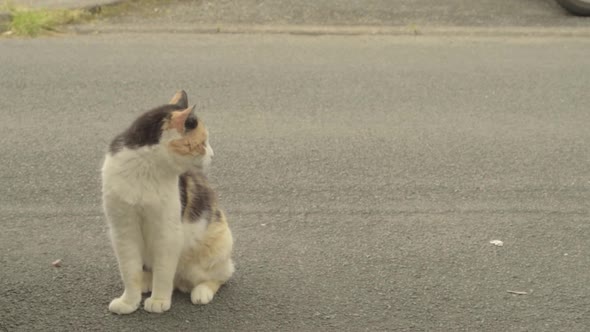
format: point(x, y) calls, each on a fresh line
point(56, 263)
point(497, 243)
point(517, 292)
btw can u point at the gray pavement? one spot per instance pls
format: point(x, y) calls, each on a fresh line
point(363, 178)
point(419, 13)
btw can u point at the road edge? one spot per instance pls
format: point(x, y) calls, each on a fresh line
point(338, 30)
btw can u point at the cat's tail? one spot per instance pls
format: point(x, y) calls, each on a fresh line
point(219, 217)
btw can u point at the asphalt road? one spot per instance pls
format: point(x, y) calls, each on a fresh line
point(363, 177)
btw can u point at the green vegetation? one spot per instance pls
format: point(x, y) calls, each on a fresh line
point(32, 22)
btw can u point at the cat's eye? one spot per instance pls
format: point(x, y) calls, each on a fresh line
point(190, 123)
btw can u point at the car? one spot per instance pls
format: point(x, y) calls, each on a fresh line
point(576, 7)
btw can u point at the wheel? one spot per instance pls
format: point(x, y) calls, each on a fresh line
point(576, 7)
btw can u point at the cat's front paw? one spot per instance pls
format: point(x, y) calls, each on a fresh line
point(156, 305)
point(120, 307)
point(201, 294)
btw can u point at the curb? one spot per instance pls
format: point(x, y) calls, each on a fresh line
point(574, 32)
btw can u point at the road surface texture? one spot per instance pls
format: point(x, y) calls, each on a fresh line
point(419, 15)
point(364, 178)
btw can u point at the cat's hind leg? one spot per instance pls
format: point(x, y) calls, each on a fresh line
point(203, 293)
point(205, 290)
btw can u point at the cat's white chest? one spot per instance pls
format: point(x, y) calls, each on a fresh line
point(137, 182)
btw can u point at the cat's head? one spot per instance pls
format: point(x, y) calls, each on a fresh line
point(171, 133)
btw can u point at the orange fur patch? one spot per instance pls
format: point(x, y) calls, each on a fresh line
point(192, 143)
point(215, 240)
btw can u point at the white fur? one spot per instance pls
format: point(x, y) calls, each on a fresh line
point(206, 161)
point(193, 232)
point(201, 294)
point(142, 206)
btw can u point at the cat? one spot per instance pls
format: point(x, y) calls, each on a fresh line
point(166, 227)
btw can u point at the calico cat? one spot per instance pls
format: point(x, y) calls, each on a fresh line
point(166, 226)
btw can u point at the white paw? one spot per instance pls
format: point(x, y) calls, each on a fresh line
point(201, 294)
point(156, 306)
point(121, 307)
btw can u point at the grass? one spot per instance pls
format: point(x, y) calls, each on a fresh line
point(33, 22)
point(30, 22)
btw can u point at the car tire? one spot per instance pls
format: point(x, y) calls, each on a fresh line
point(576, 7)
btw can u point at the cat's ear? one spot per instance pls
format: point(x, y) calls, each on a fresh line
point(180, 99)
point(178, 119)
